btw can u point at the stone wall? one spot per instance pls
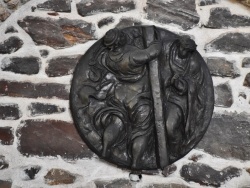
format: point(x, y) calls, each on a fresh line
point(42, 41)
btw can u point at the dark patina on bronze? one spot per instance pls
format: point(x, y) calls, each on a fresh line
point(142, 97)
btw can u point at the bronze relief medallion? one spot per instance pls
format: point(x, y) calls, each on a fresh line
point(142, 97)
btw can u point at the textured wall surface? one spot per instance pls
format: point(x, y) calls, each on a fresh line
point(42, 41)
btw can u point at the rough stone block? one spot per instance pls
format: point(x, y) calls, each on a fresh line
point(247, 80)
point(171, 185)
point(246, 62)
point(61, 66)
point(206, 175)
point(228, 136)
point(9, 111)
point(169, 170)
point(24, 1)
point(221, 17)
point(243, 95)
point(12, 4)
point(230, 42)
point(3, 163)
point(10, 45)
point(32, 171)
point(128, 22)
point(124, 183)
point(105, 21)
point(51, 138)
point(21, 65)
point(38, 109)
point(58, 177)
point(4, 13)
point(181, 12)
point(223, 95)
point(59, 33)
point(5, 184)
point(86, 8)
point(44, 53)
point(221, 67)
point(10, 29)
point(6, 136)
point(56, 5)
point(30, 90)
point(207, 2)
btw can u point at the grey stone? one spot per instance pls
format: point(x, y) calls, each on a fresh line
point(32, 171)
point(247, 80)
point(181, 12)
point(151, 172)
point(4, 13)
point(128, 22)
point(12, 4)
point(24, 1)
point(34, 90)
point(243, 95)
point(6, 136)
point(58, 177)
point(51, 138)
point(91, 7)
point(207, 2)
point(105, 21)
point(221, 17)
point(10, 29)
point(53, 13)
point(59, 33)
point(172, 185)
point(5, 184)
point(230, 42)
point(33, 9)
point(21, 65)
point(3, 163)
point(228, 136)
point(223, 95)
point(204, 174)
point(170, 169)
point(246, 62)
point(61, 66)
point(38, 109)
point(124, 183)
point(221, 67)
point(56, 5)
point(44, 53)
point(9, 111)
point(10, 45)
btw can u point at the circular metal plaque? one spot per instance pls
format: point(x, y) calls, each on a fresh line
point(142, 97)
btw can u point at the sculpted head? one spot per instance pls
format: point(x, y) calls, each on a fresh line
point(186, 45)
point(114, 38)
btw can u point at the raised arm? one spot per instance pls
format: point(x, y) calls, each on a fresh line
point(141, 57)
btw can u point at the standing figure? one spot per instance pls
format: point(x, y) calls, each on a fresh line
point(184, 98)
point(128, 64)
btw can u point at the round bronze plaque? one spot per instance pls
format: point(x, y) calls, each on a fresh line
point(142, 97)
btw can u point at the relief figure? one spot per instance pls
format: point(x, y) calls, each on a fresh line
point(142, 97)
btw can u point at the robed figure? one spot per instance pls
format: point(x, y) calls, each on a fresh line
point(184, 76)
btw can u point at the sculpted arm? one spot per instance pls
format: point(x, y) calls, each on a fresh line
point(141, 57)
